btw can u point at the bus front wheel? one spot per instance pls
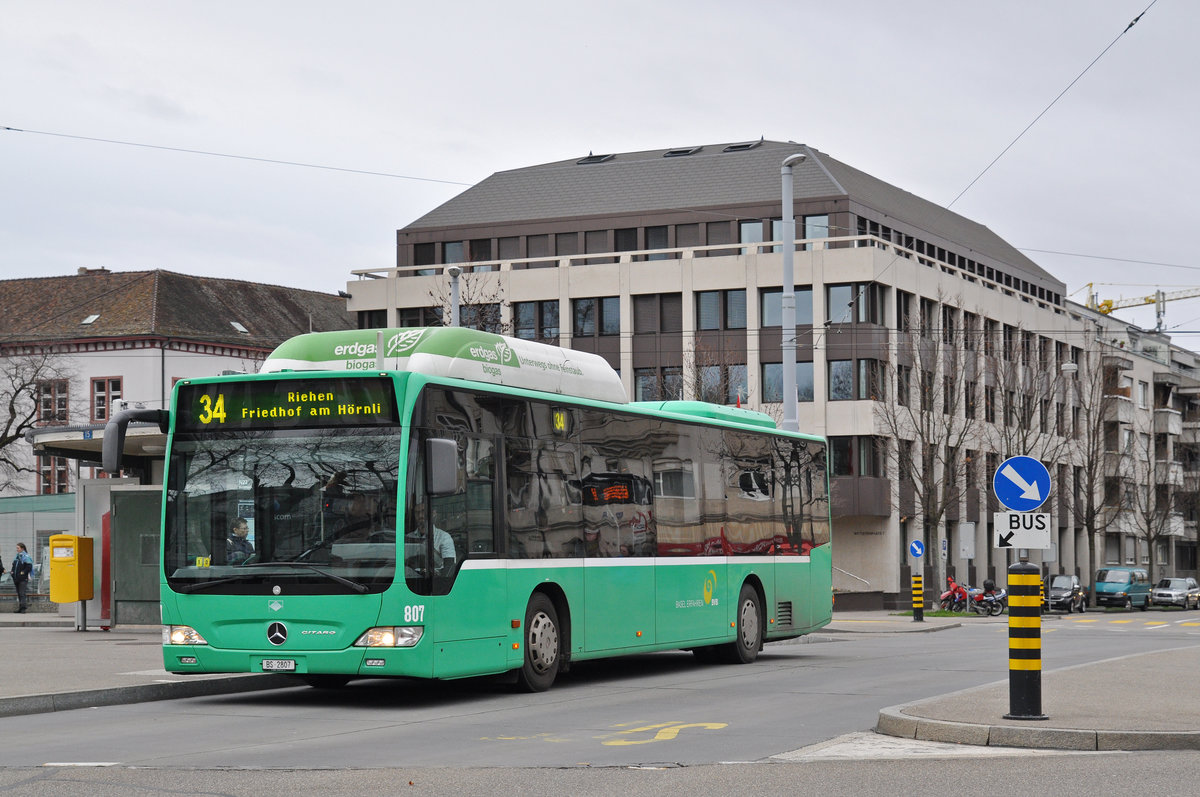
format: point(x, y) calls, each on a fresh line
point(541, 645)
point(749, 635)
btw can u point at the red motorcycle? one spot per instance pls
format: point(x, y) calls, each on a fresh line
point(956, 596)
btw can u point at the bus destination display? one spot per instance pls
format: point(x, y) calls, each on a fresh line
point(286, 404)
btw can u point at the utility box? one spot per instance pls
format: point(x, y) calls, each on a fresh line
point(70, 568)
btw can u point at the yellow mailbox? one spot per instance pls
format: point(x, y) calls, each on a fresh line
point(70, 568)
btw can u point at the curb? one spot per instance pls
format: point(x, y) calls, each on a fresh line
point(141, 693)
point(894, 629)
point(894, 722)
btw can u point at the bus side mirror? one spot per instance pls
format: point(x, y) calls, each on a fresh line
point(114, 434)
point(441, 466)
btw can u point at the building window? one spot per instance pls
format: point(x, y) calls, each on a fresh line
point(658, 384)
point(816, 226)
point(772, 382)
point(856, 456)
point(52, 401)
point(536, 320)
point(53, 476)
point(485, 317)
point(841, 380)
point(657, 312)
point(454, 252)
point(771, 307)
point(857, 303)
point(625, 239)
point(750, 232)
point(656, 238)
point(870, 380)
point(721, 309)
point(419, 317)
point(721, 384)
point(105, 390)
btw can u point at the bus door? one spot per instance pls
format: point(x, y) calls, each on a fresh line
point(619, 576)
point(451, 564)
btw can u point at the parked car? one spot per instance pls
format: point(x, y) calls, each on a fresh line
point(1065, 592)
point(1181, 592)
point(1121, 586)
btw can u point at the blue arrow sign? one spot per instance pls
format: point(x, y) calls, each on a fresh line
point(1021, 483)
point(916, 548)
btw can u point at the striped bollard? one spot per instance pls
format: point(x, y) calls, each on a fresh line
point(1024, 643)
point(918, 598)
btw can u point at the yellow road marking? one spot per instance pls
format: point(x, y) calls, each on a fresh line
point(665, 731)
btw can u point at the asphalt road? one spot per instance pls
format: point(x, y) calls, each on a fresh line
point(663, 711)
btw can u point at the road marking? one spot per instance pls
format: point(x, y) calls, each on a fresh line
point(82, 764)
point(664, 732)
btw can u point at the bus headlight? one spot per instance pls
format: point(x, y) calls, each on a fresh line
point(182, 635)
point(390, 636)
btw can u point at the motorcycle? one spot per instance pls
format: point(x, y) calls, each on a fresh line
point(956, 597)
point(989, 600)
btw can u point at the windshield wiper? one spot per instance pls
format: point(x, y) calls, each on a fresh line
point(354, 585)
point(200, 586)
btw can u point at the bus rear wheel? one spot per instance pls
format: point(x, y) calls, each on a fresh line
point(542, 651)
point(748, 638)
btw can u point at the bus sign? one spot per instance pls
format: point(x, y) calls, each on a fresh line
point(285, 404)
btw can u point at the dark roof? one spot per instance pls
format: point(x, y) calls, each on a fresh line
point(646, 182)
point(162, 304)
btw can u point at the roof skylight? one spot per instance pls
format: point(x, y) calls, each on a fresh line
point(236, 325)
point(90, 319)
point(594, 159)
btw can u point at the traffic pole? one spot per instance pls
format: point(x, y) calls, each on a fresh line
point(918, 598)
point(1024, 642)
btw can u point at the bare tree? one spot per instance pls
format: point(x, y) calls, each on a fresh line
point(932, 420)
point(1093, 399)
point(34, 389)
point(1151, 491)
point(480, 299)
point(714, 379)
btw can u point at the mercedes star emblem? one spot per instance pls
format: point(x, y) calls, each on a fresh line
point(277, 633)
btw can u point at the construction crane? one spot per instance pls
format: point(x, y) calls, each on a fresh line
point(1158, 299)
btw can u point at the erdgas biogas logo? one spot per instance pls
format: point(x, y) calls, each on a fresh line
point(397, 345)
point(400, 344)
point(499, 354)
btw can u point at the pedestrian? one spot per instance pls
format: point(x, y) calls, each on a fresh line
point(22, 569)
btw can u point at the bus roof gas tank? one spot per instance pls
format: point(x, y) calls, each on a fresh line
point(456, 353)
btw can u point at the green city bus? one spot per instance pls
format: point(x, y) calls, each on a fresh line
point(444, 503)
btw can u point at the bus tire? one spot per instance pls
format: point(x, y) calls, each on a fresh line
point(542, 645)
point(748, 635)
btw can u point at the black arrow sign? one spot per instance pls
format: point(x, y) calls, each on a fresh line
point(1004, 540)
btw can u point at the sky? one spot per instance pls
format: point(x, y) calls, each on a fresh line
point(1086, 165)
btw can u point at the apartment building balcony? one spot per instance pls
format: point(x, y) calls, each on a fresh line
point(1115, 464)
point(1168, 421)
point(1190, 429)
point(1118, 406)
point(1168, 473)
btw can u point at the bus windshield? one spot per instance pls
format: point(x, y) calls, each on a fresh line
point(311, 509)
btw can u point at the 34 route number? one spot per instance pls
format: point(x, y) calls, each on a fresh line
point(211, 410)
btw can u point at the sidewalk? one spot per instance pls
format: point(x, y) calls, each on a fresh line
point(1145, 702)
point(1141, 702)
point(49, 666)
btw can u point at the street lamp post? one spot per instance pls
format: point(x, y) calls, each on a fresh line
point(791, 422)
point(455, 272)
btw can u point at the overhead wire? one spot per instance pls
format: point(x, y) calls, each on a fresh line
point(209, 153)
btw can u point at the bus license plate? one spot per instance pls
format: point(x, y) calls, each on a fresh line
point(275, 665)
